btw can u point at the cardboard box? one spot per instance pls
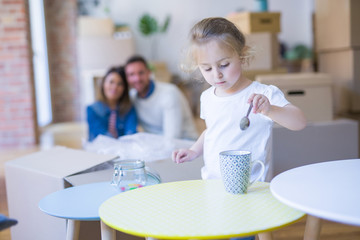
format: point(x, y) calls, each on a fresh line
point(95, 27)
point(311, 92)
point(337, 24)
point(103, 52)
point(266, 47)
point(252, 22)
point(32, 177)
point(318, 142)
point(252, 74)
point(343, 67)
point(161, 72)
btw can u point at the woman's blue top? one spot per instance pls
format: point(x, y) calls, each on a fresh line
point(98, 115)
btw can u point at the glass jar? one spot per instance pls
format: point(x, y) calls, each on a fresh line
point(129, 174)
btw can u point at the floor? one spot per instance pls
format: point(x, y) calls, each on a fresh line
point(54, 136)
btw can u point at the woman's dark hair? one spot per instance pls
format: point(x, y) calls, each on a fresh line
point(123, 102)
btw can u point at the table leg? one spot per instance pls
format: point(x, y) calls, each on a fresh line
point(72, 229)
point(107, 233)
point(312, 228)
point(265, 236)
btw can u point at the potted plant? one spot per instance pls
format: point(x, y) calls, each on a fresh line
point(149, 27)
point(299, 59)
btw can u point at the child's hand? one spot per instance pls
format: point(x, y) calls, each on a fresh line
point(183, 155)
point(261, 103)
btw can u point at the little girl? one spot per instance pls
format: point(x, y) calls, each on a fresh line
point(218, 50)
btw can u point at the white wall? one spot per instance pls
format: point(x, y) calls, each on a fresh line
point(295, 21)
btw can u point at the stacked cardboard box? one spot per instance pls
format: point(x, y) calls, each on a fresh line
point(95, 27)
point(337, 37)
point(311, 92)
point(260, 29)
point(98, 48)
point(161, 72)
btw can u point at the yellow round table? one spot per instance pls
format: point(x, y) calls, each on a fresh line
point(199, 209)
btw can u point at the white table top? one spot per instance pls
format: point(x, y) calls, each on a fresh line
point(328, 190)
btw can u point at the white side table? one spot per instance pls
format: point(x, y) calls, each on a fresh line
point(328, 190)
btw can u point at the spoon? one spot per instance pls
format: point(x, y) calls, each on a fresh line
point(245, 122)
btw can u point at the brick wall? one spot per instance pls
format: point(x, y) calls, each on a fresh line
point(60, 18)
point(17, 109)
point(18, 127)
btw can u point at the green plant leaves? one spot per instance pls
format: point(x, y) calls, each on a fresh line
point(148, 25)
point(299, 52)
point(166, 24)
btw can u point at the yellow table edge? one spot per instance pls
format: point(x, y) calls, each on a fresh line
point(301, 216)
point(217, 237)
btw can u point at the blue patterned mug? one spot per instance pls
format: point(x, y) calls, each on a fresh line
point(235, 167)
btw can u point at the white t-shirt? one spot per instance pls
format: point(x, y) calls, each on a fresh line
point(165, 112)
point(222, 116)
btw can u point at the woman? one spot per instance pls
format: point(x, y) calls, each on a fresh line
point(113, 114)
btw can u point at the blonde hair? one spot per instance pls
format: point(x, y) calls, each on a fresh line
point(221, 30)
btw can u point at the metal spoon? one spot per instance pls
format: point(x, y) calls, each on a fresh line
point(245, 122)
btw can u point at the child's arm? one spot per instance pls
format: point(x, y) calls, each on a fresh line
point(288, 116)
point(185, 155)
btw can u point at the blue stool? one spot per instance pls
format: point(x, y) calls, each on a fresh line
point(6, 222)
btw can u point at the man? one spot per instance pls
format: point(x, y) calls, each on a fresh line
point(161, 107)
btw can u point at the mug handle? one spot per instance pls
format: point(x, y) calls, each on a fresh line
point(261, 172)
